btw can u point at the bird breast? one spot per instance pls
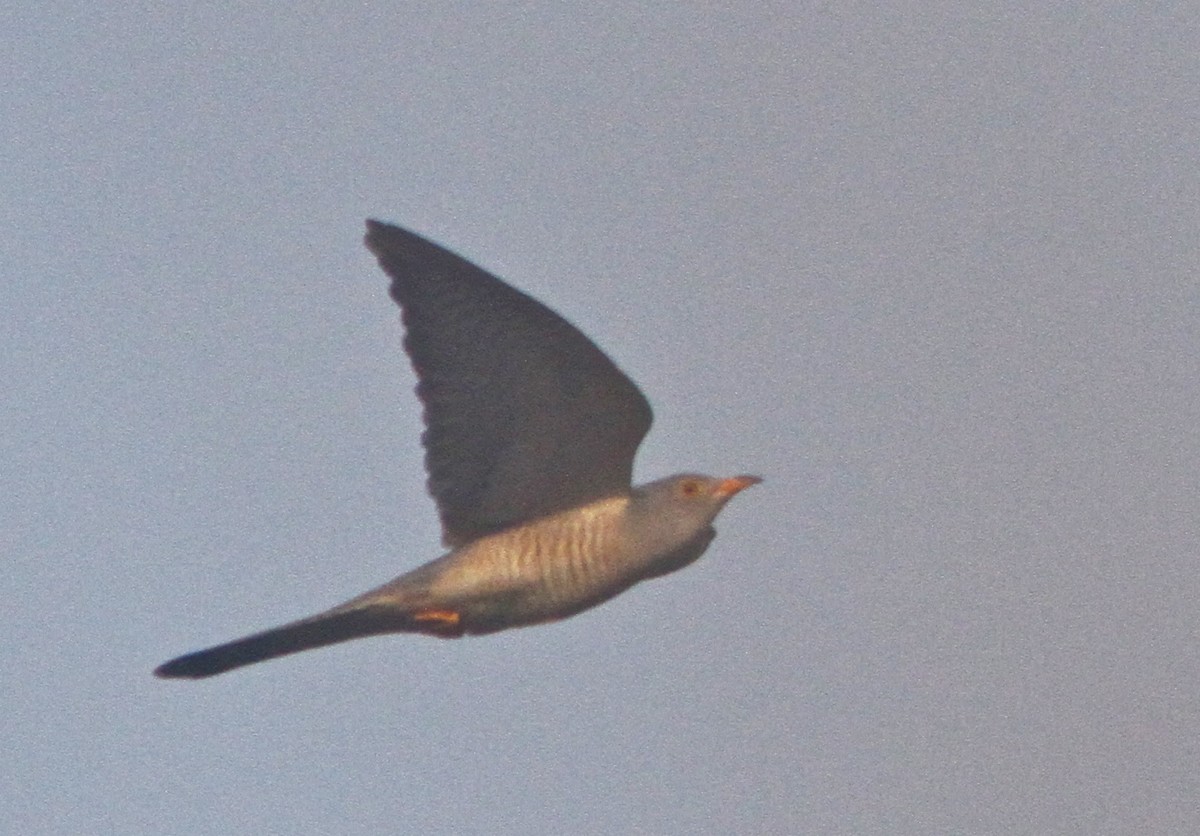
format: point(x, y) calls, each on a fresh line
point(547, 568)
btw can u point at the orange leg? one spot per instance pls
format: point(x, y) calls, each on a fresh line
point(445, 623)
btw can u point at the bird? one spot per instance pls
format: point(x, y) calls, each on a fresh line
point(530, 437)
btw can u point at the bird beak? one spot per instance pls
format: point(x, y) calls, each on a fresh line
point(734, 484)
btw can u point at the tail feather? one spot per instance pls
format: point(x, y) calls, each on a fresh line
point(318, 631)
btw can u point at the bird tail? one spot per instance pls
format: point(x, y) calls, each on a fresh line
point(337, 625)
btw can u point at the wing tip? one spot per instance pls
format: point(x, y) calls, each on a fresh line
point(376, 230)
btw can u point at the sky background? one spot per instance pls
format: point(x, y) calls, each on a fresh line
point(930, 269)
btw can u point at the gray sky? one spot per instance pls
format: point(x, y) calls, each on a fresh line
point(932, 271)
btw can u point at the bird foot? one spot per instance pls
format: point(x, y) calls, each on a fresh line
point(444, 623)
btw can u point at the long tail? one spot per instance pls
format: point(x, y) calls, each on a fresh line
point(335, 626)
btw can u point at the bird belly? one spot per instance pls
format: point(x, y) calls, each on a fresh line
point(542, 571)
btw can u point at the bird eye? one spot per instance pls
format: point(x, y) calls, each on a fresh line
point(690, 487)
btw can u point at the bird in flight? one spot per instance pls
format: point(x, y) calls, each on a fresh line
point(530, 436)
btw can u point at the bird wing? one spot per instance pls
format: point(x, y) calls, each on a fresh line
point(524, 415)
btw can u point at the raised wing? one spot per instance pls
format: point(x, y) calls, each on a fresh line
point(524, 415)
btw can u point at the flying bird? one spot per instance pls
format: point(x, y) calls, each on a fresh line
point(531, 432)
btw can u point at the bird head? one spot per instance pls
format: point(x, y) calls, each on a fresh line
point(673, 511)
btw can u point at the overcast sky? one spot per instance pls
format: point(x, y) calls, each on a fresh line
point(932, 271)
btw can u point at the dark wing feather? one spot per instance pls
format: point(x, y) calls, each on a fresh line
point(524, 415)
